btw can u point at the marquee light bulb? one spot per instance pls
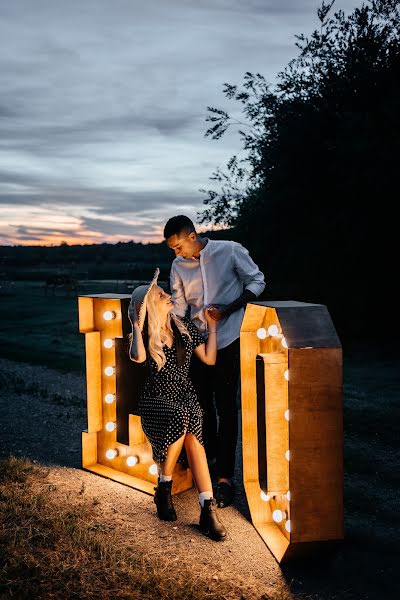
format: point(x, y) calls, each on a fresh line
point(153, 469)
point(273, 330)
point(284, 342)
point(287, 415)
point(110, 426)
point(111, 453)
point(288, 526)
point(131, 461)
point(109, 315)
point(287, 454)
point(109, 371)
point(286, 374)
point(288, 495)
point(277, 516)
point(108, 343)
point(264, 496)
point(261, 333)
point(109, 398)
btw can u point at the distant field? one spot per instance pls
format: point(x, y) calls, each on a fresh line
point(43, 329)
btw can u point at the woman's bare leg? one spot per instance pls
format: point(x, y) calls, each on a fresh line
point(209, 521)
point(198, 463)
point(173, 452)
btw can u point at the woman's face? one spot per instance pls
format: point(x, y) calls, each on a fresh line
point(162, 300)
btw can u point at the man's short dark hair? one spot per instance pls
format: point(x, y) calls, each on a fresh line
point(177, 225)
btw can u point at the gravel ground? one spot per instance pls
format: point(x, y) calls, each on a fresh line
point(44, 414)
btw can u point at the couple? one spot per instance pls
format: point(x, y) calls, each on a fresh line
point(213, 280)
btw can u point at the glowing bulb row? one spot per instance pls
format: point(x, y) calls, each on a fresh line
point(111, 453)
point(131, 461)
point(272, 331)
point(266, 497)
point(279, 516)
point(109, 315)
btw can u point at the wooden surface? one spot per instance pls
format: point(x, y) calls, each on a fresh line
point(108, 329)
point(316, 443)
point(313, 434)
point(136, 433)
point(130, 378)
point(93, 381)
point(85, 313)
point(304, 324)
point(89, 448)
point(97, 440)
point(130, 480)
point(181, 482)
point(276, 403)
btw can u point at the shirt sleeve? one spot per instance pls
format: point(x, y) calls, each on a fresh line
point(247, 270)
point(197, 337)
point(177, 292)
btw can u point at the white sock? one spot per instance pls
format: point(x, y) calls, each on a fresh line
point(165, 478)
point(204, 496)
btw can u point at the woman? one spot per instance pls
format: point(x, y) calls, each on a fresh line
point(171, 415)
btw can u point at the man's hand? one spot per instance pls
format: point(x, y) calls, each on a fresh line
point(218, 311)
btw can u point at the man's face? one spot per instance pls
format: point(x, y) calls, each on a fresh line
point(183, 244)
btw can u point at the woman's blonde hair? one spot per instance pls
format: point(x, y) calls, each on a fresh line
point(154, 328)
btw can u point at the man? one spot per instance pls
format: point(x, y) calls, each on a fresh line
point(220, 275)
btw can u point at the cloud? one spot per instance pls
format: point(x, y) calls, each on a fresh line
point(103, 103)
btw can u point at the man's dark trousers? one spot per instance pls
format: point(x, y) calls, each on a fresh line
point(217, 388)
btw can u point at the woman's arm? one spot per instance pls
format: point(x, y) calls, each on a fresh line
point(137, 351)
point(207, 352)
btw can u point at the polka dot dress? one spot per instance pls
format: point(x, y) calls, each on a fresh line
point(168, 403)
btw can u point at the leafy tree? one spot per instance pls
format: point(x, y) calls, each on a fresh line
point(312, 194)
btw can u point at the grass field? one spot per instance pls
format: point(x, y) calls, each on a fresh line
point(43, 329)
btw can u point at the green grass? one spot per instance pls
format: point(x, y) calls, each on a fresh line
point(44, 330)
point(41, 329)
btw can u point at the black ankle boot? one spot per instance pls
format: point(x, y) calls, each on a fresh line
point(209, 522)
point(163, 501)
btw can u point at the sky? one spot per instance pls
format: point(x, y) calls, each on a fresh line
point(103, 106)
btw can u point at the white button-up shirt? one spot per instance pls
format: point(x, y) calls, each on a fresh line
point(219, 276)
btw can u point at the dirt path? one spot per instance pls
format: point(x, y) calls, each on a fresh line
point(44, 413)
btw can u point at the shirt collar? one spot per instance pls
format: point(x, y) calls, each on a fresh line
point(204, 250)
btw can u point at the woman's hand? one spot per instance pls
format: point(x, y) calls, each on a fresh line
point(135, 321)
point(207, 352)
point(218, 311)
point(212, 324)
point(137, 351)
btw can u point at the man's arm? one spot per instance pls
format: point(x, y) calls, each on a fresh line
point(252, 278)
point(247, 296)
point(219, 311)
point(178, 292)
point(247, 270)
